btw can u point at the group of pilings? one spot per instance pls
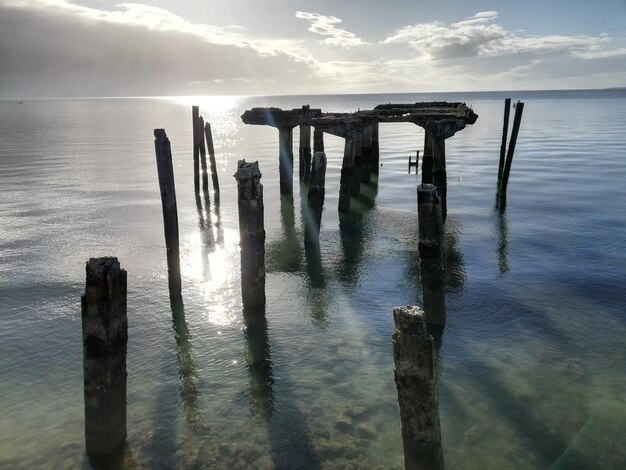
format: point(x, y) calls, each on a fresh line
point(506, 155)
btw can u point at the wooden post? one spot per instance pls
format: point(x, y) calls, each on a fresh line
point(427, 159)
point(439, 172)
point(315, 198)
point(366, 154)
point(375, 151)
point(285, 157)
point(505, 131)
point(305, 153)
point(414, 374)
point(170, 211)
point(519, 109)
point(105, 335)
point(358, 165)
point(210, 148)
point(195, 116)
point(347, 173)
point(251, 233)
point(430, 246)
point(318, 140)
point(205, 175)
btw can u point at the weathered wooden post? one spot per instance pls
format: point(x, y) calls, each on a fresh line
point(251, 233)
point(195, 116)
point(318, 140)
point(427, 158)
point(203, 165)
point(366, 153)
point(211, 149)
point(439, 172)
point(347, 172)
point(430, 247)
point(305, 153)
point(414, 374)
point(285, 157)
point(519, 109)
point(170, 212)
point(358, 165)
point(505, 131)
point(315, 198)
point(375, 150)
point(105, 335)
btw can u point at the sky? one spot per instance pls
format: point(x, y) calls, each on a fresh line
point(73, 48)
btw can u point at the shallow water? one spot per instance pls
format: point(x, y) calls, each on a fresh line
point(532, 363)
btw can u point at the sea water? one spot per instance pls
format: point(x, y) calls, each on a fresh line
point(532, 362)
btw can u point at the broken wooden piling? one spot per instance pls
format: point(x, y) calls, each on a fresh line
point(251, 233)
point(427, 159)
point(304, 152)
point(375, 149)
point(211, 150)
point(165, 171)
point(285, 159)
point(347, 173)
point(366, 154)
point(105, 335)
point(414, 373)
point(195, 116)
point(505, 131)
point(519, 109)
point(203, 165)
point(315, 198)
point(318, 140)
point(439, 172)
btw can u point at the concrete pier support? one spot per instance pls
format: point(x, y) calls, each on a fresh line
point(427, 159)
point(315, 198)
point(105, 336)
point(285, 157)
point(318, 140)
point(305, 153)
point(251, 233)
point(366, 154)
point(439, 172)
point(358, 165)
point(414, 373)
point(375, 150)
point(347, 173)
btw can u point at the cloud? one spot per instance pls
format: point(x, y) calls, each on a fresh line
point(325, 26)
point(56, 48)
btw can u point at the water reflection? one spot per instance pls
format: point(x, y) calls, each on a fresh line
point(204, 222)
point(121, 459)
point(502, 252)
point(351, 232)
point(453, 257)
point(186, 366)
point(284, 255)
point(258, 358)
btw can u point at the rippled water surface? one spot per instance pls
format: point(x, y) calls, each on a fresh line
point(532, 363)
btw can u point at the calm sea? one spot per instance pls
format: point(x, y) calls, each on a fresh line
point(532, 365)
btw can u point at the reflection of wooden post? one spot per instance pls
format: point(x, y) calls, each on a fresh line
point(316, 197)
point(375, 150)
point(105, 335)
point(505, 131)
point(210, 148)
point(195, 116)
point(170, 212)
point(285, 157)
point(347, 173)
point(414, 374)
point(205, 176)
point(430, 221)
point(305, 153)
point(427, 159)
point(251, 233)
point(318, 140)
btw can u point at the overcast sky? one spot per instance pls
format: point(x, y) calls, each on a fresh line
point(59, 48)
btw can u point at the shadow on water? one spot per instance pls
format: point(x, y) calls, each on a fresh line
point(284, 254)
point(120, 459)
point(290, 445)
point(502, 230)
point(453, 257)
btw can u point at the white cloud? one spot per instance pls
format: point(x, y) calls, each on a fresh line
point(325, 26)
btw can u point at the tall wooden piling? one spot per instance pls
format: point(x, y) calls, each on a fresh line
point(318, 140)
point(195, 117)
point(170, 212)
point(315, 198)
point(347, 173)
point(366, 154)
point(305, 153)
point(375, 149)
point(505, 131)
point(519, 109)
point(251, 233)
point(358, 165)
point(285, 157)
point(439, 172)
point(105, 336)
point(203, 165)
point(427, 159)
point(209, 142)
point(414, 374)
